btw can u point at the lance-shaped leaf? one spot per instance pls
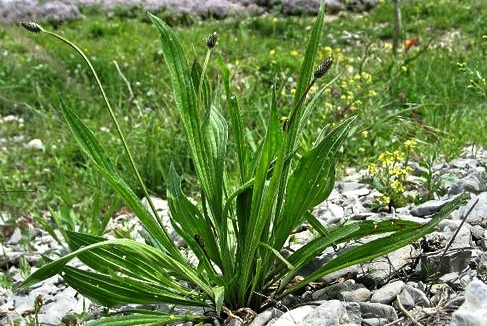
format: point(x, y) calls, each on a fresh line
point(382, 246)
point(96, 153)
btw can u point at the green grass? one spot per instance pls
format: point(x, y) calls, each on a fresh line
point(34, 71)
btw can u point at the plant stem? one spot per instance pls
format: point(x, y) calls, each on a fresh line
point(397, 26)
point(115, 121)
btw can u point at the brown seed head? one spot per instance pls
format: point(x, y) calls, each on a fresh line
point(323, 67)
point(31, 26)
point(39, 301)
point(211, 42)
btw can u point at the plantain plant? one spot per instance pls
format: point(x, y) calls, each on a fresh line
point(244, 217)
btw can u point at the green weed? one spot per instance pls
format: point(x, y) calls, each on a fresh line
point(244, 215)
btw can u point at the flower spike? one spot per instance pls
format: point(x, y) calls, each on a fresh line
point(323, 67)
point(31, 26)
point(211, 42)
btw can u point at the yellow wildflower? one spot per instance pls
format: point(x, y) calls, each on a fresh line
point(386, 158)
point(397, 186)
point(372, 168)
point(372, 93)
point(366, 77)
point(294, 53)
point(410, 144)
point(402, 173)
point(272, 52)
point(398, 155)
point(384, 199)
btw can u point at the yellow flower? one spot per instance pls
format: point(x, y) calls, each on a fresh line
point(272, 52)
point(293, 90)
point(386, 158)
point(388, 46)
point(275, 20)
point(361, 150)
point(294, 53)
point(384, 199)
point(328, 51)
point(410, 144)
point(372, 168)
point(366, 77)
point(328, 91)
point(397, 186)
point(399, 172)
point(404, 68)
point(364, 133)
point(372, 93)
point(357, 103)
point(398, 155)
point(484, 37)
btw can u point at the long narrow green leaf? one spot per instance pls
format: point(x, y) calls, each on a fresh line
point(144, 252)
point(113, 290)
point(139, 265)
point(217, 137)
point(262, 206)
point(295, 118)
point(96, 153)
point(147, 318)
point(311, 182)
point(345, 233)
point(243, 151)
point(196, 72)
point(382, 246)
point(187, 106)
point(310, 55)
point(190, 222)
point(336, 235)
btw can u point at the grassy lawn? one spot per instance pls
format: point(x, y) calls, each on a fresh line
point(434, 93)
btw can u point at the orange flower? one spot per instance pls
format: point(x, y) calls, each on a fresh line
point(409, 43)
